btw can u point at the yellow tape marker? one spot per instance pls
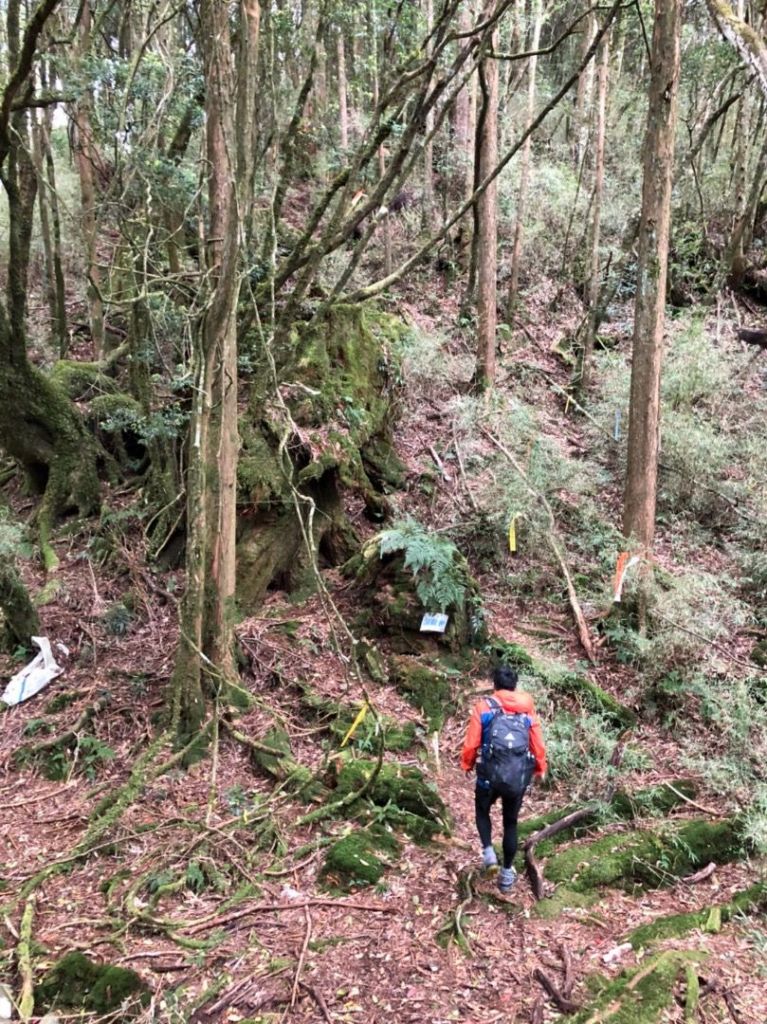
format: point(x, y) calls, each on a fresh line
point(355, 724)
point(513, 535)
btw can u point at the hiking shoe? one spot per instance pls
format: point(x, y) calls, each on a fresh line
point(506, 879)
point(489, 861)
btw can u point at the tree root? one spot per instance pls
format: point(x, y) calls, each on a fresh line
point(452, 929)
point(560, 1000)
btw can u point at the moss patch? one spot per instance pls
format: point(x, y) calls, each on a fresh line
point(641, 995)
point(360, 858)
point(76, 982)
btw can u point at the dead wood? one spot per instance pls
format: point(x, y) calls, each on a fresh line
point(317, 997)
point(701, 875)
point(562, 1003)
point(534, 872)
point(753, 336)
point(567, 963)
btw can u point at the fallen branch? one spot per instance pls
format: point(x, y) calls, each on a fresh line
point(706, 810)
point(266, 908)
point(562, 1003)
point(702, 875)
point(534, 872)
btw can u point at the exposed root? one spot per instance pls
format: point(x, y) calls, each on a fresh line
point(452, 930)
point(24, 961)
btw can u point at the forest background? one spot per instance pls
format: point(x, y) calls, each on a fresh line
point(318, 318)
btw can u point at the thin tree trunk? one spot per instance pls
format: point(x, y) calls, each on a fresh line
point(583, 95)
point(658, 164)
point(428, 149)
point(343, 110)
point(524, 174)
point(592, 323)
point(487, 224)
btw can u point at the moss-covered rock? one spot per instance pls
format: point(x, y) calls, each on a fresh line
point(81, 380)
point(76, 982)
point(672, 926)
point(646, 859)
point(428, 689)
point(639, 995)
point(360, 858)
point(412, 802)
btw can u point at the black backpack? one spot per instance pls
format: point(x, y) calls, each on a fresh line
point(506, 759)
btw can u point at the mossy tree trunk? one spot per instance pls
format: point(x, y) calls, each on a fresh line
point(205, 658)
point(39, 425)
point(20, 615)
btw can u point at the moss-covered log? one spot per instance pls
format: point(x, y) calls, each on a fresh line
point(412, 803)
point(562, 679)
point(640, 995)
point(282, 767)
point(648, 858)
point(672, 926)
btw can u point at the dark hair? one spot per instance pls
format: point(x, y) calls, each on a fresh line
point(504, 678)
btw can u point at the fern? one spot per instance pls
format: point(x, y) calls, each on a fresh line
point(440, 577)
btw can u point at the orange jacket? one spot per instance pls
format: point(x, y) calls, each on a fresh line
point(514, 702)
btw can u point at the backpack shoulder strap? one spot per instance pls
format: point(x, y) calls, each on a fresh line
point(495, 705)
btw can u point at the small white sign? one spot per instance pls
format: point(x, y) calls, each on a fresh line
point(433, 623)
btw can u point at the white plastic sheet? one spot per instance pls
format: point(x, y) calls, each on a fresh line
point(36, 675)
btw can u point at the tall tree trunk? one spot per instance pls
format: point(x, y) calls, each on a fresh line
point(88, 159)
point(524, 174)
point(592, 323)
point(658, 165)
point(583, 95)
point(487, 223)
point(428, 149)
point(39, 427)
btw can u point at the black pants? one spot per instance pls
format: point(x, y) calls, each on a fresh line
point(484, 798)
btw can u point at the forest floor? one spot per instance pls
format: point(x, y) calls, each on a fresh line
point(288, 947)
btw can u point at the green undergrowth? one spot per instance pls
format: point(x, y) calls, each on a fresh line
point(709, 919)
point(641, 859)
point(76, 983)
point(360, 858)
point(639, 995)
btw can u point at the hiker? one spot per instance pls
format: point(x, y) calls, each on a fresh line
point(505, 743)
